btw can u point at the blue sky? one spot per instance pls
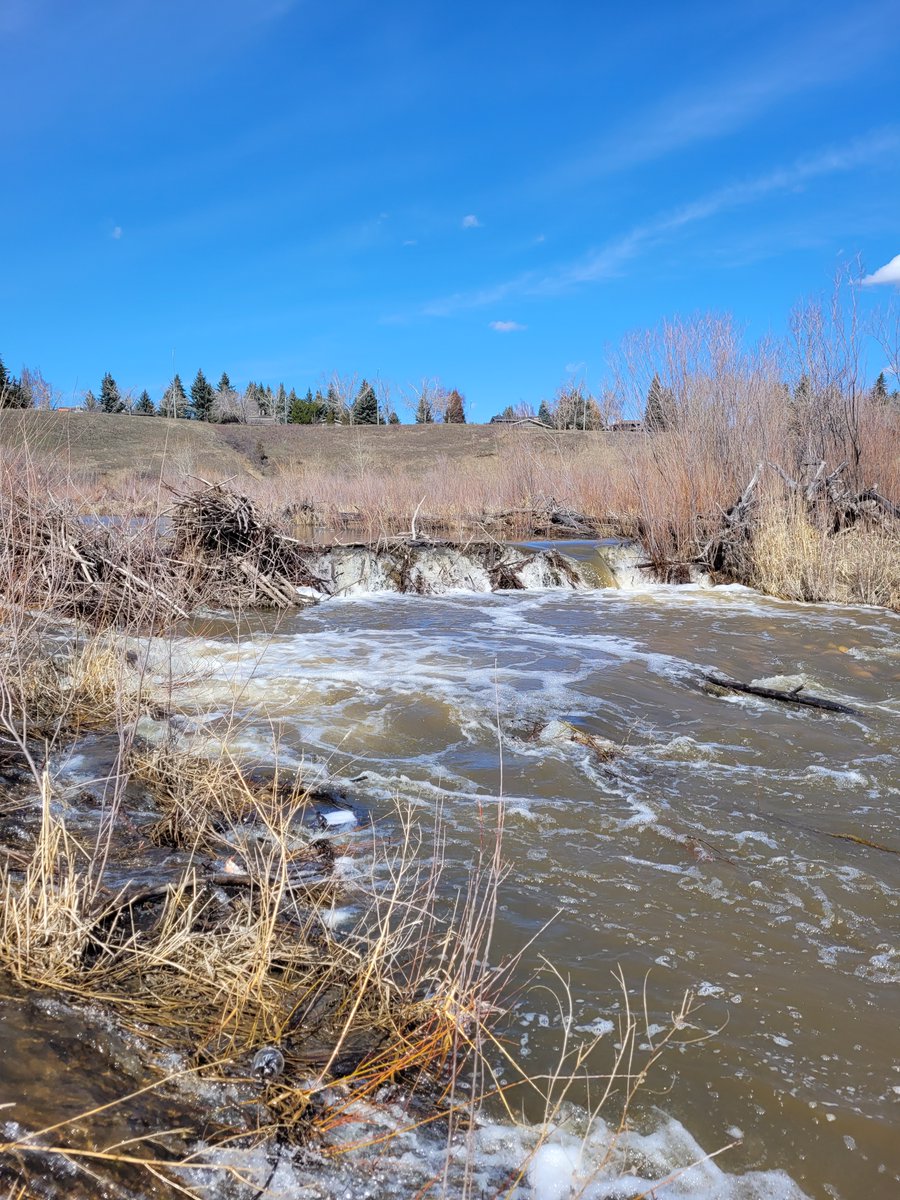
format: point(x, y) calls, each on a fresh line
point(487, 193)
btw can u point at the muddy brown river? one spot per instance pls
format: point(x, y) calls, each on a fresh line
point(744, 849)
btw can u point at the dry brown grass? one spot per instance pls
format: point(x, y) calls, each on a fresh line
point(218, 965)
point(795, 557)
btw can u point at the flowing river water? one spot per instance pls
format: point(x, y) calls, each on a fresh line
point(716, 853)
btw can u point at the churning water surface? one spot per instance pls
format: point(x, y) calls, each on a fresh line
point(737, 847)
point(717, 852)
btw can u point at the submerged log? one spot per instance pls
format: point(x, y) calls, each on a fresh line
point(794, 697)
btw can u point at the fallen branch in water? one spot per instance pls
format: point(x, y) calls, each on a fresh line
point(794, 697)
point(861, 841)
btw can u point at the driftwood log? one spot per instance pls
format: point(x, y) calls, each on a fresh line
point(793, 697)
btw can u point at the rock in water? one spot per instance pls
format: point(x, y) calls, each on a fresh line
point(268, 1063)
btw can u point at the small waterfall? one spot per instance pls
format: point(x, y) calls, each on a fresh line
point(433, 568)
point(632, 572)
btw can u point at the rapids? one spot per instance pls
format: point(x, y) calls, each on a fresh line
point(714, 851)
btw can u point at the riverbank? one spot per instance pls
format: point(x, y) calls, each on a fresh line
point(813, 531)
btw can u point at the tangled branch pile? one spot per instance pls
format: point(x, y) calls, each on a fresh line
point(237, 557)
point(108, 573)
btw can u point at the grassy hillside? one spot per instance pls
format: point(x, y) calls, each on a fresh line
point(107, 447)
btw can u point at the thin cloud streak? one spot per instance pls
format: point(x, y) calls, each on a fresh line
point(609, 259)
point(737, 99)
point(506, 326)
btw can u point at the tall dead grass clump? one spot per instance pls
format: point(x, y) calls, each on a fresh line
point(797, 557)
point(68, 681)
point(240, 952)
point(44, 923)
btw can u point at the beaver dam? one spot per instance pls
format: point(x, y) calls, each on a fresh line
point(418, 869)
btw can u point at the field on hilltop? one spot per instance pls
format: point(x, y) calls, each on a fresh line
point(107, 448)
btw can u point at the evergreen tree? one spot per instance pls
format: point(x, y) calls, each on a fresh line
point(799, 406)
point(332, 405)
point(12, 394)
point(144, 406)
point(281, 404)
point(224, 384)
point(89, 401)
point(879, 391)
point(658, 414)
point(544, 414)
point(424, 415)
point(5, 385)
point(365, 406)
point(110, 399)
point(202, 398)
point(304, 412)
point(392, 418)
point(174, 402)
point(455, 413)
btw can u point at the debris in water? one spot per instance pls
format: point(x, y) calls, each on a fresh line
point(791, 697)
point(563, 731)
point(342, 818)
point(268, 1063)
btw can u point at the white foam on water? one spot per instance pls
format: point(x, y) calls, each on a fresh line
point(574, 1158)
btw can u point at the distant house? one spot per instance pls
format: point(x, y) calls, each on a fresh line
point(519, 421)
point(68, 408)
point(625, 426)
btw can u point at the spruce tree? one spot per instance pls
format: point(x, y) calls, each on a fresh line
point(224, 384)
point(281, 404)
point(144, 406)
point(365, 406)
point(303, 412)
point(455, 413)
point(89, 401)
point(12, 394)
point(110, 399)
point(544, 414)
point(392, 418)
point(658, 413)
point(424, 415)
point(879, 391)
point(174, 402)
point(332, 405)
point(202, 398)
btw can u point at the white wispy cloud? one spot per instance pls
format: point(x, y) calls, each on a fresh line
point(471, 222)
point(507, 326)
point(821, 57)
point(889, 273)
point(116, 233)
point(610, 258)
